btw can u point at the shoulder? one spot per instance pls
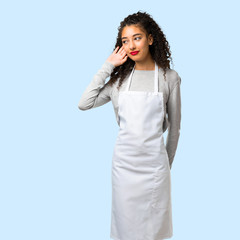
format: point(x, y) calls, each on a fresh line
point(173, 79)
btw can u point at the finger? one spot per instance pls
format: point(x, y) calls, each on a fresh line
point(121, 49)
point(125, 58)
point(116, 49)
point(123, 53)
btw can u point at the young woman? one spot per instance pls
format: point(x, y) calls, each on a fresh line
point(146, 98)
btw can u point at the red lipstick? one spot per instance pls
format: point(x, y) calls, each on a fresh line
point(134, 53)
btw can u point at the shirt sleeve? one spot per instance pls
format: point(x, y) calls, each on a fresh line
point(97, 92)
point(174, 118)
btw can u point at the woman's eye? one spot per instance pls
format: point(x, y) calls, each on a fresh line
point(123, 42)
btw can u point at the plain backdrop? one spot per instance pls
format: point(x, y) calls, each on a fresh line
point(55, 160)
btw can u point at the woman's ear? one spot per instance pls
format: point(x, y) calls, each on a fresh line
point(150, 39)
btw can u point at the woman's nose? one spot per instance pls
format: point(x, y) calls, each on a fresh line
point(131, 45)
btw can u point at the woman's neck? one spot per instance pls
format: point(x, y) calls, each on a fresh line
point(147, 64)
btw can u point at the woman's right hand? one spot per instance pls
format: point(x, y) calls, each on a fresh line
point(118, 58)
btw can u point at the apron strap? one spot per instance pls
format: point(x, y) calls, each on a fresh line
point(130, 78)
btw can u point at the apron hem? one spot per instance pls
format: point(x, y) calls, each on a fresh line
point(162, 238)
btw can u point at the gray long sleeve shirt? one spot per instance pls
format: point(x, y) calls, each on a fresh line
point(98, 93)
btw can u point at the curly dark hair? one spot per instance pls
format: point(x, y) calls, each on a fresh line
point(159, 50)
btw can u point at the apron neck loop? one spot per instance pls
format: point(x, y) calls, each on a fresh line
point(155, 78)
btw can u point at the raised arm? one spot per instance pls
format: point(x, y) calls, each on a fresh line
point(174, 117)
point(97, 92)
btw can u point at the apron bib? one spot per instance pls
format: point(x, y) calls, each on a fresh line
point(141, 178)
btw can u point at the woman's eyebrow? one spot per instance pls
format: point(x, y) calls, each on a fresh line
point(133, 35)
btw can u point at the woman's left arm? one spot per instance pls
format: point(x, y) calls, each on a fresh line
point(174, 118)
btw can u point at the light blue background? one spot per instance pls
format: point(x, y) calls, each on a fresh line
point(55, 169)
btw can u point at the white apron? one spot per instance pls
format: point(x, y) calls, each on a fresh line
point(141, 179)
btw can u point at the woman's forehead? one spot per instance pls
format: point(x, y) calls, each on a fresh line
point(131, 31)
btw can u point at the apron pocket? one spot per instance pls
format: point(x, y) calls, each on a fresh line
point(161, 195)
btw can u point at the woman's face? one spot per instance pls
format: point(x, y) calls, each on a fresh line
point(134, 39)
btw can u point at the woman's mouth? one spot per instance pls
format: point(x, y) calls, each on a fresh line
point(134, 53)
